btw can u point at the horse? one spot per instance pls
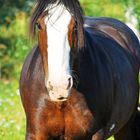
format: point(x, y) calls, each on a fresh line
point(81, 81)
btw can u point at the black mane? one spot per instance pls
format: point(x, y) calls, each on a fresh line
point(73, 6)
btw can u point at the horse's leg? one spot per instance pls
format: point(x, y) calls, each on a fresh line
point(35, 131)
point(98, 135)
point(31, 136)
point(126, 133)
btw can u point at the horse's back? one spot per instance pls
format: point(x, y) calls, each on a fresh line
point(116, 30)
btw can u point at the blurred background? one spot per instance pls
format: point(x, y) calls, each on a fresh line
point(15, 45)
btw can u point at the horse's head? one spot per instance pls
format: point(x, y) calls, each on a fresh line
point(58, 40)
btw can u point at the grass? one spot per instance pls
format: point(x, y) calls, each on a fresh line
point(12, 118)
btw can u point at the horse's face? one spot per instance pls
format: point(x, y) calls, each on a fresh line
point(60, 49)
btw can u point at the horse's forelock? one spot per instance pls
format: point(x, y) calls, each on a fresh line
point(73, 6)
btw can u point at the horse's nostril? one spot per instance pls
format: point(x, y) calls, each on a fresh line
point(61, 98)
point(69, 83)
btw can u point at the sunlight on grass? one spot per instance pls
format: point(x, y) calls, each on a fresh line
point(12, 118)
point(111, 138)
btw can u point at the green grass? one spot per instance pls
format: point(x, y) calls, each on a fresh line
point(12, 118)
point(111, 138)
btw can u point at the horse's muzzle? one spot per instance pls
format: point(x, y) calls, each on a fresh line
point(59, 92)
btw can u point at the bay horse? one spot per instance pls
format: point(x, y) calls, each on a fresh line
point(81, 81)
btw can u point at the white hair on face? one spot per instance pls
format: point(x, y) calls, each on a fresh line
point(57, 24)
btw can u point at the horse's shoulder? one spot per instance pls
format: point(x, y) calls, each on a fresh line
point(30, 62)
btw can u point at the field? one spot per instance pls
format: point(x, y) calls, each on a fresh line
point(15, 45)
point(12, 118)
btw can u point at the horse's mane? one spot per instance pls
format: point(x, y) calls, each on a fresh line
point(73, 6)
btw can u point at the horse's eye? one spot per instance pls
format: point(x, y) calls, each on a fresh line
point(39, 26)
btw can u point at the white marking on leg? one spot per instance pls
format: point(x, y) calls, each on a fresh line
point(112, 127)
point(139, 108)
point(86, 25)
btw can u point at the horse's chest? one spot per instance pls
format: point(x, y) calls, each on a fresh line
point(72, 120)
point(55, 122)
point(78, 122)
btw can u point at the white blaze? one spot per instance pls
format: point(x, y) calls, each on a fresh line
point(57, 23)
